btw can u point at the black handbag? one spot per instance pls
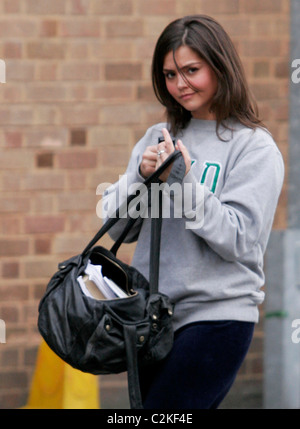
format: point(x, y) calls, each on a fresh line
point(110, 336)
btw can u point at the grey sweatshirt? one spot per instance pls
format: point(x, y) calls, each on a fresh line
point(212, 268)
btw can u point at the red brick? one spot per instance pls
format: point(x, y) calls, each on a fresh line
point(80, 28)
point(40, 268)
point(220, 7)
point(78, 92)
point(44, 160)
point(45, 114)
point(121, 114)
point(261, 69)
point(43, 203)
point(42, 182)
point(80, 115)
point(78, 137)
point(116, 156)
point(10, 270)
point(145, 93)
point(10, 225)
point(42, 246)
point(124, 28)
point(10, 358)
point(14, 205)
point(13, 379)
point(14, 292)
point(70, 245)
point(79, 70)
point(19, 70)
point(11, 182)
point(12, 159)
point(79, 7)
point(12, 6)
point(114, 91)
point(265, 91)
point(106, 136)
point(77, 201)
point(125, 71)
point(260, 48)
point(13, 247)
point(46, 72)
point(282, 69)
point(41, 224)
point(20, 28)
point(77, 179)
point(45, 7)
point(112, 49)
point(13, 49)
point(258, 6)
point(45, 92)
point(48, 28)
point(13, 138)
point(16, 115)
point(157, 7)
point(45, 50)
point(116, 7)
point(77, 160)
point(46, 137)
point(11, 94)
point(144, 50)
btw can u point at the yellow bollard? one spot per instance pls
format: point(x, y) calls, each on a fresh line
point(57, 385)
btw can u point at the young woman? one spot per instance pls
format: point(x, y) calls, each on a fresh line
point(213, 272)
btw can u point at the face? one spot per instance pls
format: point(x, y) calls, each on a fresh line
point(196, 98)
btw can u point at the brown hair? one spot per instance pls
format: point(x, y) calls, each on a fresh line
point(209, 40)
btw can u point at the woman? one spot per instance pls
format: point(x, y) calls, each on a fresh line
point(213, 271)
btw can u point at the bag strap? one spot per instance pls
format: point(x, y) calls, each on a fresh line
point(124, 207)
point(176, 176)
point(134, 391)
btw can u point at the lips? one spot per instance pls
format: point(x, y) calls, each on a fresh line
point(186, 96)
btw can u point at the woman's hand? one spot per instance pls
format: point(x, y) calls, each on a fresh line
point(155, 155)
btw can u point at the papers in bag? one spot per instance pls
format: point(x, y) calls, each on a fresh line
point(95, 285)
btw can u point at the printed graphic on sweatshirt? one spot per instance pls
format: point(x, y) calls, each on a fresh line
point(211, 174)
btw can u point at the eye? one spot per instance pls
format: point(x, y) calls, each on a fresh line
point(169, 75)
point(192, 70)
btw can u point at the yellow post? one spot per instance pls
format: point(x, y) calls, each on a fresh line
point(57, 385)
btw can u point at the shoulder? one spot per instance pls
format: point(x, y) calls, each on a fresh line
point(258, 138)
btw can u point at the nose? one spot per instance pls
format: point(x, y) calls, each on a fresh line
point(181, 83)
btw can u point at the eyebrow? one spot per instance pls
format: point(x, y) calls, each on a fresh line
point(165, 70)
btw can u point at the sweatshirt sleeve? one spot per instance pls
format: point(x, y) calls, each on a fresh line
point(116, 194)
point(242, 215)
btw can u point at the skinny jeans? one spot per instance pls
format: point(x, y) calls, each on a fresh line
point(201, 367)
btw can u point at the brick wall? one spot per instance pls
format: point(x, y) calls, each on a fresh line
point(76, 99)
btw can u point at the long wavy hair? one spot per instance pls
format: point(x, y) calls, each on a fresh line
point(210, 41)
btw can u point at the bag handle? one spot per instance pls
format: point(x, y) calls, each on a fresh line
point(176, 174)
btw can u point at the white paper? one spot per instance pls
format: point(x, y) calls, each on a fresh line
point(105, 285)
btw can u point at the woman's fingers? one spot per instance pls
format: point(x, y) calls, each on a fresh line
point(155, 155)
point(168, 142)
point(186, 156)
point(149, 160)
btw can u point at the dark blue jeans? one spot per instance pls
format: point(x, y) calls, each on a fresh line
point(201, 367)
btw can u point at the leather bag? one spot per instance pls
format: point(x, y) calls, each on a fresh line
point(111, 336)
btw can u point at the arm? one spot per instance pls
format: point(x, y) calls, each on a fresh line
point(243, 213)
point(116, 194)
